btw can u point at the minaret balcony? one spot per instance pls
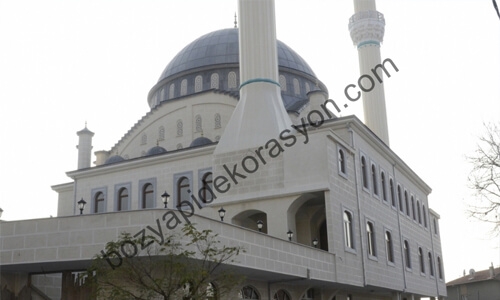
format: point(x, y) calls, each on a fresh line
point(367, 27)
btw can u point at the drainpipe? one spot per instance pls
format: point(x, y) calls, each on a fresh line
point(436, 272)
point(359, 206)
point(399, 228)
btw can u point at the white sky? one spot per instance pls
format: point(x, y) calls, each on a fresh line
point(64, 63)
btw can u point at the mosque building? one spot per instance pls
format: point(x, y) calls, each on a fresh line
point(239, 123)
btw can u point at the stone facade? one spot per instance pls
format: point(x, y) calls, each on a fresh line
point(360, 217)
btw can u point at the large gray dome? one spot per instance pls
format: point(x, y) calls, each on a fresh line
point(211, 62)
point(221, 47)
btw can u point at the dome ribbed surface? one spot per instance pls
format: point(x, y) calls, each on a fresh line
point(221, 47)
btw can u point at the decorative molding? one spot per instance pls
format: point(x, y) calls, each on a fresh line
point(367, 27)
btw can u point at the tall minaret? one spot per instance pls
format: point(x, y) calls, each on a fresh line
point(367, 27)
point(260, 114)
point(84, 147)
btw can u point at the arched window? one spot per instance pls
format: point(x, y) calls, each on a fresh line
point(342, 161)
point(391, 187)
point(364, 172)
point(198, 84)
point(308, 295)
point(217, 138)
point(283, 83)
point(231, 80)
point(440, 268)
point(348, 236)
point(435, 225)
point(162, 94)
point(144, 139)
point(407, 204)
point(389, 247)
point(214, 81)
point(374, 179)
point(421, 260)
point(161, 133)
point(400, 199)
point(281, 295)
point(148, 200)
point(384, 186)
point(217, 123)
point(179, 128)
point(198, 123)
point(184, 84)
point(182, 190)
point(123, 199)
point(179, 146)
point(99, 202)
point(424, 213)
point(419, 213)
point(370, 235)
point(248, 292)
point(207, 189)
point(171, 91)
point(308, 88)
point(296, 86)
point(431, 264)
point(406, 248)
point(414, 215)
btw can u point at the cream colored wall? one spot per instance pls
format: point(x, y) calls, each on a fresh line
point(205, 104)
point(65, 199)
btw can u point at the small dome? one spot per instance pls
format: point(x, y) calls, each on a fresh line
point(114, 159)
point(156, 150)
point(201, 141)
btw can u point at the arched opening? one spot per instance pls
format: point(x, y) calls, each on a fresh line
point(307, 219)
point(248, 292)
point(250, 218)
point(311, 293)
point(323, 236)
point(282, 295)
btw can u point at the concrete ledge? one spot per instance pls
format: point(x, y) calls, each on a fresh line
point(69, 243)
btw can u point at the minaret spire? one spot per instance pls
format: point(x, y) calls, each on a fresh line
point(235, 21)
point(260, 114)
point(367, 27)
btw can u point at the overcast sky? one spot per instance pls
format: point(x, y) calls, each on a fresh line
point(64, 63)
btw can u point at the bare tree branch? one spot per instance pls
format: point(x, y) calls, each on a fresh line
point(484, 178)
point(185, 266)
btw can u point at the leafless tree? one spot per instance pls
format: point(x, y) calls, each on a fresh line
point(484, 178)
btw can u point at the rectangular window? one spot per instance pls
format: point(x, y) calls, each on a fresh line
point(183, 189)
point(348, 231)
point(99, 203)
point(147, 193)
point(389, 247)
point(364, 172)
point(370, 236)
point(407, 254)
point(374, 179)
point(342, 162)
point(384, 185)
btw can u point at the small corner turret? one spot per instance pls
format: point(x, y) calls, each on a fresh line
point(84, 147)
